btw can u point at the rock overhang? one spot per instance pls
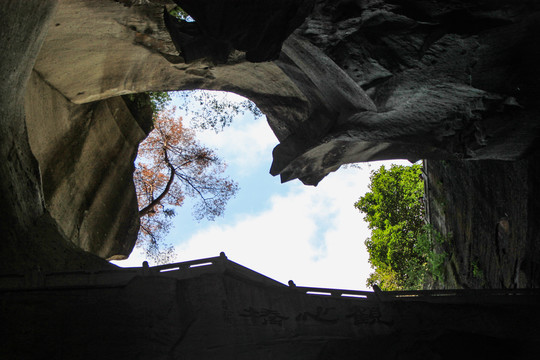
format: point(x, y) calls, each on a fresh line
point(356, 81)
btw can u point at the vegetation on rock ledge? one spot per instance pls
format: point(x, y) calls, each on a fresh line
point(401, 247)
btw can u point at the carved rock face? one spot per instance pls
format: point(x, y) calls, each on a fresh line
point(258, 28)
point(447, 81)
point(86, 155)
point(407, 79)
point(356, 81)
point(30, 238)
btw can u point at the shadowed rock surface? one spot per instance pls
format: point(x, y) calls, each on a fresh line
point(447, 81)
point(489, 211)
point(258, 28)
point(224, 311)
point(355, 81)
point(30, 237)
point(437, 87)
point(76, 145)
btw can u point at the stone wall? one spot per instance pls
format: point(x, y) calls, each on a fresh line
point(86, 154)
point(488, 213)
point(218, 312)
point(30, 238)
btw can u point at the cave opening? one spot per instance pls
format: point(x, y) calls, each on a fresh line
point(287, 231)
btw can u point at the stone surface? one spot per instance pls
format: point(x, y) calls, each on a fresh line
point(438, 87)
point(226, 311)
point(447, 80)
point(356, 81)
point(258, 28)
point(489, 213)
point(86, 154)
point(29, 236)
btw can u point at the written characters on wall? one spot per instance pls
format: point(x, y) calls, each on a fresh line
point(355, 315)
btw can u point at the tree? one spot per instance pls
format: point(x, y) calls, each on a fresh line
point(180, 13)
point(173, 165)
point(395, 214)
point(159, 100)
point(215, 109)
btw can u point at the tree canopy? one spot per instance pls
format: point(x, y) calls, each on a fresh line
point(394, 211)
point(214, 109)
point(171, 166)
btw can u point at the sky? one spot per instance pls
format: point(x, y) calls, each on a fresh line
point(311, 235)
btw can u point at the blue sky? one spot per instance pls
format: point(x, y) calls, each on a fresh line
point(312, 235)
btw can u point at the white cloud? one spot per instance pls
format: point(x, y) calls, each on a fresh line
point(242, 145)
point(313, 236)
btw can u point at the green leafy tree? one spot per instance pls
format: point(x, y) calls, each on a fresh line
point(159, 100)
point(206, 109)
point(394, 211)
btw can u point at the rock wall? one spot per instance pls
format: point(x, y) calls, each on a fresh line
point(86, 154)
point(224, 315)
point(355, 81)
point(449, 81)
point(29, 236)
point(488, 212)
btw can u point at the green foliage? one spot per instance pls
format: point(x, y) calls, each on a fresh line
point(179, 13)
point(159, 100)
point(395, 198)
point(429, 246)
point(477, 272)
point(206, 109)
point(385, 278)
point(394, 213)
point(214, 109)
point(402, 250)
